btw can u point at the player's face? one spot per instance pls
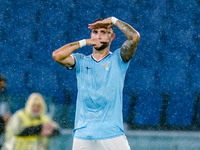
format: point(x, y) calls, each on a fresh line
point(102, 34)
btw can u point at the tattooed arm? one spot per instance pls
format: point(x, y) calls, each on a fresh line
point(129, 46)
point(63, 55)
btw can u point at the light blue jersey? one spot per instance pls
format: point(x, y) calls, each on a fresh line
point(99, 99)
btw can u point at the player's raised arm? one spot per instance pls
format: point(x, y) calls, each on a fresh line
point(63, 55)
point(129, 46)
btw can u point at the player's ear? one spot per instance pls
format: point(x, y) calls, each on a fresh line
point(112, 36)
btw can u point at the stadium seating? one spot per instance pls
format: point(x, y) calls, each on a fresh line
point(180, 109)
point(148, 109)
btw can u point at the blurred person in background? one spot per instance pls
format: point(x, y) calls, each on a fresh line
point(100, 78)
point(30, 128)
point(4, 108)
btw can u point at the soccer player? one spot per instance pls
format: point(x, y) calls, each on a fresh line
point(100, 79)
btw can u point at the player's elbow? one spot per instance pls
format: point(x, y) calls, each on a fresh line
point(136, 37)
point(56, 56)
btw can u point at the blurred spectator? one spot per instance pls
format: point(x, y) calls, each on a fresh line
point(4, 108)
point(30, 128)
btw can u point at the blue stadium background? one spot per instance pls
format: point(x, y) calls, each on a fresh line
point(162, 84)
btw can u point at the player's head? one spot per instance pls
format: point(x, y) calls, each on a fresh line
point(103, 33)
point(35, 105)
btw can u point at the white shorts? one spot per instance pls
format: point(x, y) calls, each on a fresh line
point(118, 143)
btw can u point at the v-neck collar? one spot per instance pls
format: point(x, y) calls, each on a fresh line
point(101, 58)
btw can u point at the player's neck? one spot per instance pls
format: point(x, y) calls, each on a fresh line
point(99, 55)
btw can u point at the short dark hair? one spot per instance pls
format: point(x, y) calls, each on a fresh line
point(100, 19)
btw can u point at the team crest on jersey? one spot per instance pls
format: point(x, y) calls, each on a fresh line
point(106, 66)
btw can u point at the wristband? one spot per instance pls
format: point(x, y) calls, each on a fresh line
point(113, 20)
point(82, 43)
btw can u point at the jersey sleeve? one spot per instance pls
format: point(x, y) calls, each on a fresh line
point(123, 66)
point(78, 58)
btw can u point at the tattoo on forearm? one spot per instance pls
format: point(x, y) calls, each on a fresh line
point(73, 44)
point(127, 51)
point(129, 32)
point(128, 48)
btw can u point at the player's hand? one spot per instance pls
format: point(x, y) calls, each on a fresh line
point(96, 42)
point(106, 23)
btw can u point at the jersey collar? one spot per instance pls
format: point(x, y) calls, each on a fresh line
point(101, 58)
